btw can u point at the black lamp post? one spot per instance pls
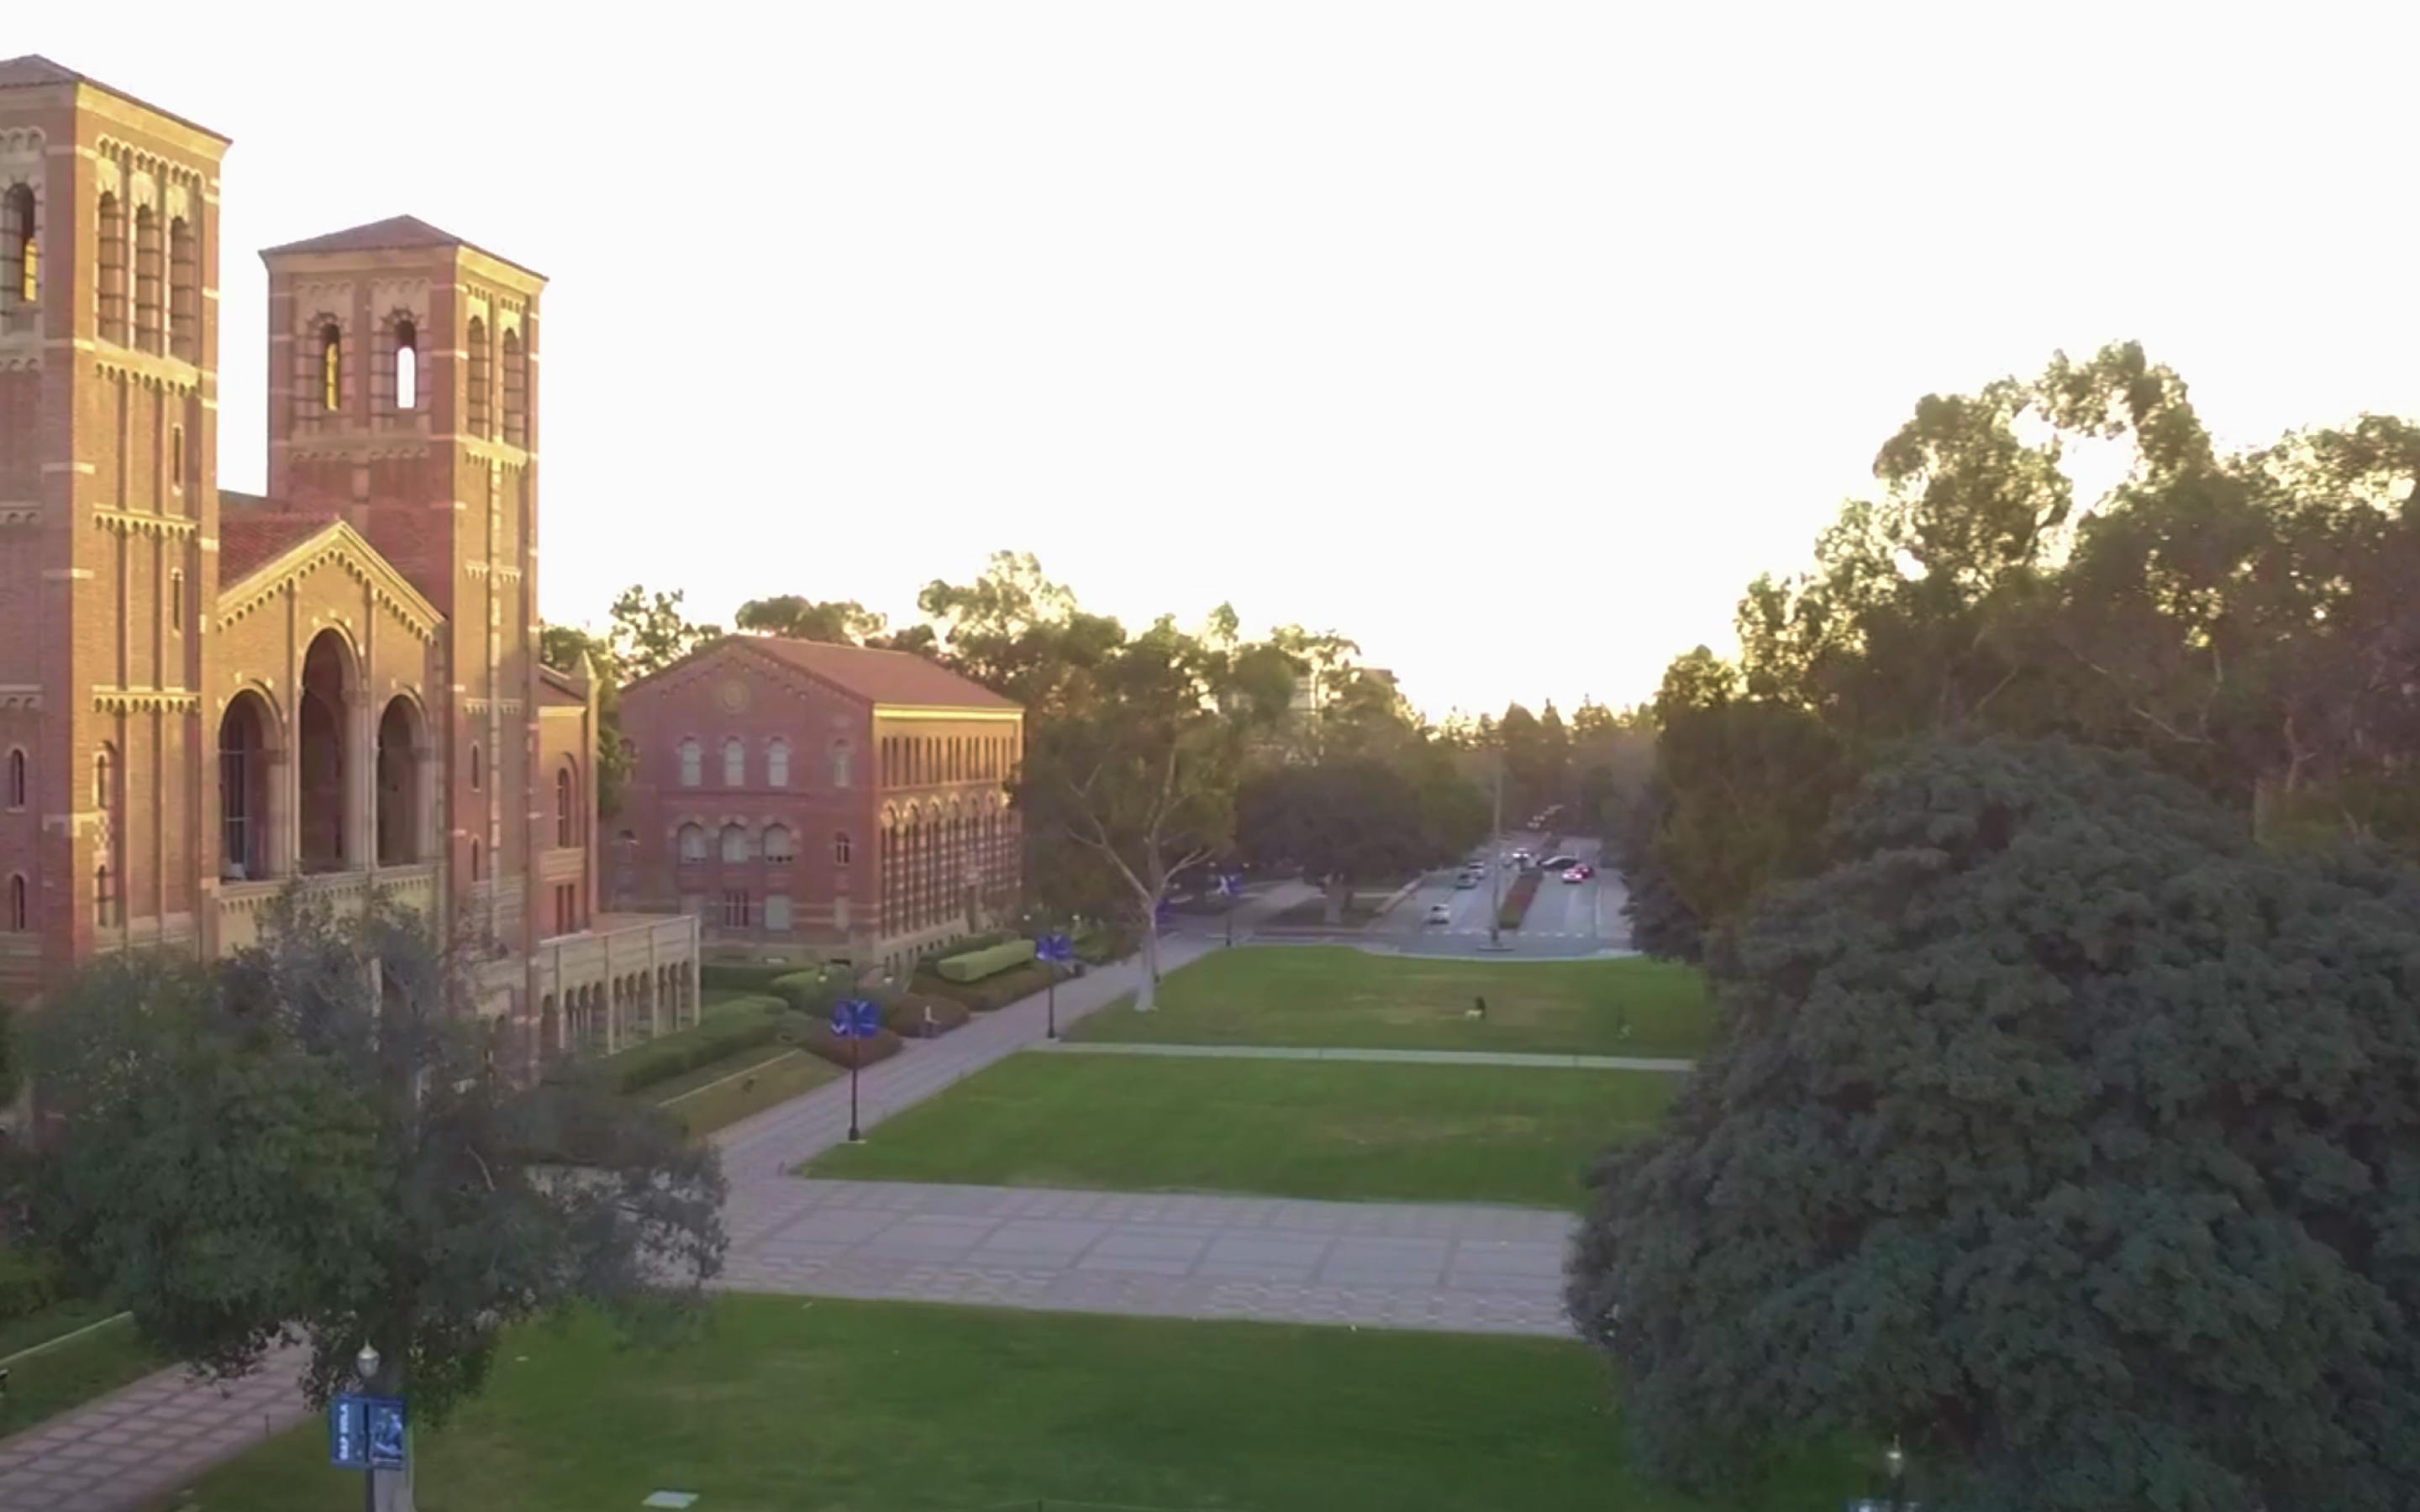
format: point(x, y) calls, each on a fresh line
point(365, 1366)
point(1895, 1459)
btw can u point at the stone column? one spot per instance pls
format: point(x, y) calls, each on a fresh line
point(361, 782)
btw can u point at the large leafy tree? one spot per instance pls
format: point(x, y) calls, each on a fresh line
point(838, 621)
point(312, 1139)
point(647, 632)
point(2061, 1132)
point(1342, 819)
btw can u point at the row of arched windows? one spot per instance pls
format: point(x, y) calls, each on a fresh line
point(775, 844)
point(396, 375)
point(167, 293)
point(933, 865)
point(914, 760)
point(777, 762)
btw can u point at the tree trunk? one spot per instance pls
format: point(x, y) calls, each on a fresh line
point(1147, 992)
point(1340, 896)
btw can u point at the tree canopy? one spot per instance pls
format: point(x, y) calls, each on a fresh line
point(2061, 1130)
point(311, 1137)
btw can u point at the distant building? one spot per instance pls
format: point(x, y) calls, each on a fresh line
point(207, 697)
point(795, 793)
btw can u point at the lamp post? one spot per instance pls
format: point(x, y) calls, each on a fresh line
point(1230, 887)
point(1053, 950)
point(1496, 862)
point(854, 1019)
point(365, 1366)
point(1895, 1459)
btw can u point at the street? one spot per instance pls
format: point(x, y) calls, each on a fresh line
point(1565, 919)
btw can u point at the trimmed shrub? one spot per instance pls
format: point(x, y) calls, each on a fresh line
point(818, 1037)
point(660, 1060)
point(813, 992)
point(1516, 902)
point(975, 966)
point(29, 1282)
point(909, 1014)
point(736, 976)
point(993, 992)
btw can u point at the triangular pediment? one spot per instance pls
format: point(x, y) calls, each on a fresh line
point(334, 545)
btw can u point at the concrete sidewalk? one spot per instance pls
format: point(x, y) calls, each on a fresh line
point(1409, 1058)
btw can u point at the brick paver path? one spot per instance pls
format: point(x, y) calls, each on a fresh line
point(1456, 1266)
point(1416, 1057)
point(1444, 1267)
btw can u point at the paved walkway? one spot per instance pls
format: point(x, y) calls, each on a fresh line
point(1414, 1057)
point(1456, 1266)
point(137, 1445)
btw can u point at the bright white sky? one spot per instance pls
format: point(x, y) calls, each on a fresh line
point(1509, 339)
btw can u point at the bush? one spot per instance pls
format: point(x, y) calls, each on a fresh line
point(818, 1037)
point(29, 1282)
point(993, 992)
point(735, 977)
point(733, 1029)
point(975, 966)
point(1515, 905)
point(813, 992)
point(909, 1015)
point(968, 946)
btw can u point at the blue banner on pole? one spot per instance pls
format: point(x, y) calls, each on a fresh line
point(366, 1432)
point(1230, 884)
point(385, 1431)
point(855, 1018)
point(1054, 948)
point(347, 1443)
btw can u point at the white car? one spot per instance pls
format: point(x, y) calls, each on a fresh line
point(1440, 913)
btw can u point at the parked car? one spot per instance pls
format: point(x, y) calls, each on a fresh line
point(1440, 913)
point(1575, 874)
point(1559, 863)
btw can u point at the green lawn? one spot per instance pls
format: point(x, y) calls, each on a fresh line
point(729, 1089)
point(786, 1405)
point(1338, 995)
point(1285, 1128)
point(67, 1373)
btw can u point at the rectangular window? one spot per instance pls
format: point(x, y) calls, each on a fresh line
point(777, 913)
point(840, 913)
point(176, 458)
point(176, 603)
point(735, 911)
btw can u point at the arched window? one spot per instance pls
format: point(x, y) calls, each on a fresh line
point(516, 391)
point(735, 842)
point(184, 291)
point(148, 304)
point(110, 262)
point(692, 842)
point(16, 790)
point(104, 777)
point(841, 848)
point(777, 844)
point(692, 761)
point(843, 758)
point(477, 865)
point(17, 909)
point(777, 762)
point(331, 367)
point(735, 762)
point(477, 393)
point(567, 829)
point(21, 272)
point(407, 366)
point(479, 768)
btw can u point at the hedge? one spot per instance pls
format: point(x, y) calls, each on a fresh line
point(909, 1015)
point(975, 966)
point(968, 946)
point(750, 977)
point(1098, 947)
point(742, 1026)
point(813, 992)
point(1516, 900)
point(993, 992)
point(29, 1282)
point(817, 1036)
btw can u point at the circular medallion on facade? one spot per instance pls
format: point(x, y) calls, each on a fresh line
point(734, 695)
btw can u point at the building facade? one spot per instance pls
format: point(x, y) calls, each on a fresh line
point(789, 792)
point(208, 697)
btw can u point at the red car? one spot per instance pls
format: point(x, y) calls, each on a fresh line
point(1580, 872)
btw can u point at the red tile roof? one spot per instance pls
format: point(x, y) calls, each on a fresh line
point(32, 71)
point(397, 233)
point(248, 542)
point(878, 676)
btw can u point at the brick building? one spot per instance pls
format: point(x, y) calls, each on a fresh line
point(793, 792)
point(207, 697)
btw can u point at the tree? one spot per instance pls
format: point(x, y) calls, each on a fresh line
point(1342, 819)
point(565, 648)
point(2058, 1131)
point(839, 621)
point(1662, 923)
point(648, 632)
point(311, 1138)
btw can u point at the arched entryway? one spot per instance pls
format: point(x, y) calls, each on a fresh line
point(329, 684)
point(246, 746)
point(402, 761)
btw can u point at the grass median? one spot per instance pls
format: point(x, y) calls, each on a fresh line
point(825, 1406)
point(1335, 996)
point(1519, 1135)
point(83, 1349)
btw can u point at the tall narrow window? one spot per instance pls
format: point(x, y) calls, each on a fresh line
point(110, 261)
point(104, 785)
point(184, 292)
point(692, 842)
point(477, 862)
point(841, 848)
point(478, 770)
point(565, 831)
point(777, 913)
point(331, 367)
point(21, 274)
point(735, 762)
point(406, 367)
point(148, 271)
point(104, 898)
point(176, 603)
point(17, 910)
point(777, 762)
point(735, 844)
point(843, 759)
point(777, 844)
point(177, 457)
point(477, 393)
point(516, 390)
point(16, 790)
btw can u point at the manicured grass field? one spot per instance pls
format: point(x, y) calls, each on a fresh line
point(735, 1087)
point(67, 1373)
point(794, 1406)
point(1338, 995)
point(1284, 1128)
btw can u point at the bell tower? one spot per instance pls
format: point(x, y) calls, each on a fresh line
point(403, 394)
